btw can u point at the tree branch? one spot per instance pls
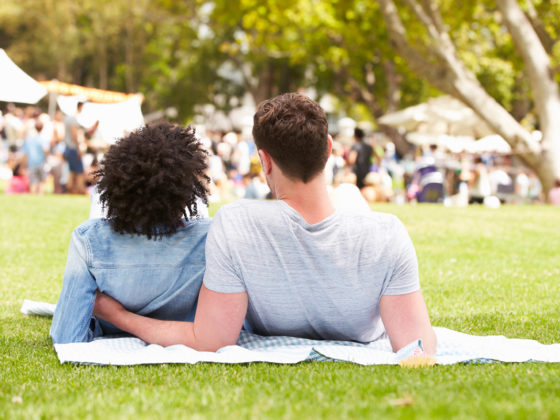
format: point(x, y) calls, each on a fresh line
point(450, 75)
point(432, 10)
point(429, 68)
point(537, 63)
point(545, 38)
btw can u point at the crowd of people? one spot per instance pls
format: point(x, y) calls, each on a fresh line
point(59, 155)
point(41, 150)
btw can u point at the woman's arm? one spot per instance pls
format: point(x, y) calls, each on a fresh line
point(72, 317)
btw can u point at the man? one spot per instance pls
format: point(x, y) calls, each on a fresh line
point(295, 266)
point(35, 149)
point(72, 140)
point(360, 157)
point(147, 252)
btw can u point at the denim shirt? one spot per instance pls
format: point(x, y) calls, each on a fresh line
point(156, 278)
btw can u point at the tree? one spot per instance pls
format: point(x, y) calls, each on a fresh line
point(434, 57)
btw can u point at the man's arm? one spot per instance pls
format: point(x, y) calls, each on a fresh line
point(218, 321)
point(352, 157)
point(406, 319)
point(402, 307)
point(72, 317)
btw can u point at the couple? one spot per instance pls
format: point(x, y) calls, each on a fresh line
point(293, 266)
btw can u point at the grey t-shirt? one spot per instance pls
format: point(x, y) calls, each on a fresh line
point(69, 122)
point(321, 281)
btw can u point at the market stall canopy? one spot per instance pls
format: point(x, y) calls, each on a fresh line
point(115, 119)
point(91, 94)
point(454, 144)
point(441, 115)
point(16, 85)
point(491, 144)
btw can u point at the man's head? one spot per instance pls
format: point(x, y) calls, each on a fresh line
point(149, 178)
point(359, 134)
point(293, 130)
point(38, 125)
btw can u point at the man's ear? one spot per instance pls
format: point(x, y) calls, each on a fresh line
point(330, 144)
point(266, 161)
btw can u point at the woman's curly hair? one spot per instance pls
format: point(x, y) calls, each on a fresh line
point(149, 179)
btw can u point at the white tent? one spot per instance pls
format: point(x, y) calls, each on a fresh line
point(491, 144)
point(16, 85)
point(441, 115)
point(115, 120)
point(455, 144)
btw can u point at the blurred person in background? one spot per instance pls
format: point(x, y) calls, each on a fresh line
point(13, 126)
point(73, 139)
point(535, 189)
point(554, 193)
point(35, 150)
point(480, 186)
point(255, 186)
point(522, 185)
point(359, 157)
point(55, 159)
point(19, 183)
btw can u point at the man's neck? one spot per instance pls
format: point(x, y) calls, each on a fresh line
point(310, 200)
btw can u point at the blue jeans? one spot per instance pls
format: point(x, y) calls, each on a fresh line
point(74, 160)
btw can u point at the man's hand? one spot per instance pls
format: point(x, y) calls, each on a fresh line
point(106, 307)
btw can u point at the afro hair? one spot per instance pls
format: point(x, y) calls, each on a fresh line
point(149, 179)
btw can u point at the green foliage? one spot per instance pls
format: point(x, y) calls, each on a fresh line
point(483, 271)
point(193, 52)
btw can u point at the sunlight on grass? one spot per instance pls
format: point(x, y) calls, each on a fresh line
point(482, 272)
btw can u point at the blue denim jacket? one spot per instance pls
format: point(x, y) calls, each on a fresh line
point(157, 278)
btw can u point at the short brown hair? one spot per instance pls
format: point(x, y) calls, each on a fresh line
point(293, 129)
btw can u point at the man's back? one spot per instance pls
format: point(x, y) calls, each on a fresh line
point(319, 281)
point(33, 148)
point(363, 161)
point(69, 122)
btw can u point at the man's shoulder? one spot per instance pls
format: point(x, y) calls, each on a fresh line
point(70, 120)
point(245, 207)
point(371, 222)
point(370, 217)
point(242, 216)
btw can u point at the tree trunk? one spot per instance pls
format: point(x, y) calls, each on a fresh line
point(443, 68)
point(544, 87)
point(102, 62)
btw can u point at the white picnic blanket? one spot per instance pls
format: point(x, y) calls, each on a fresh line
point(453, 347)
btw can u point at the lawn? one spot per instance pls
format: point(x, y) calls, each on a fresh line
point(483, 271)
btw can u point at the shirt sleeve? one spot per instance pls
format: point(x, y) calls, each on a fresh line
point(404, 276)
point(222, 274)
point(72, 317)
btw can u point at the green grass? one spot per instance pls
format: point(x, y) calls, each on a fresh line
point(482, 271)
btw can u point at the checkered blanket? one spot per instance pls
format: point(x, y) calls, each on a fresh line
point(453, 347)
